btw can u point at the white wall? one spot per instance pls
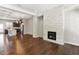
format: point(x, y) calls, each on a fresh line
point(71, 34)
point(35, 26)
point(25, 26)
point(53, 21)
point(40, 26)
point(28, 26)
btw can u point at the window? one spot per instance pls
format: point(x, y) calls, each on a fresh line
point(8, 24)
point(1, 28)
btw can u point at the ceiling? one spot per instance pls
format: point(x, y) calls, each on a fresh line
point(7, 13)
point(14, 11)
point(38, 9)
point(24, 10)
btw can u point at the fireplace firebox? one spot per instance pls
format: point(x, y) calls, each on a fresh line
point(51, 35)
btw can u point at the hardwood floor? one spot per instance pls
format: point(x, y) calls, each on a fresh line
point(71, 49)
point(32, 46)
point(28, 45)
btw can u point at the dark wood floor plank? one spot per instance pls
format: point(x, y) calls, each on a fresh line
point(27, 45)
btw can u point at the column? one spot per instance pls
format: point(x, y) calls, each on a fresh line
point(35, 26)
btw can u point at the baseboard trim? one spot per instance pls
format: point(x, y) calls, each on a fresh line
point(38, 37)
point(54, 42)
point(72, 43)
point(34, 36)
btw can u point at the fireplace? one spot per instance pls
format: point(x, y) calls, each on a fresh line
point(51, 35)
